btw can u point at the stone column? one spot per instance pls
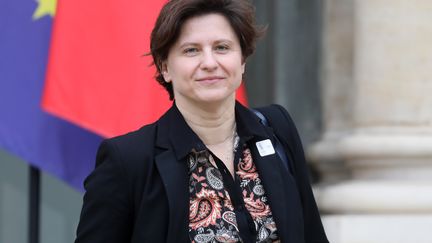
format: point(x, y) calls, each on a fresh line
point(376, 151)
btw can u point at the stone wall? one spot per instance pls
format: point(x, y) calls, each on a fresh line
point(376, 149)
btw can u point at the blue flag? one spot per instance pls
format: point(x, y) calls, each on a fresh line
point(53, 145)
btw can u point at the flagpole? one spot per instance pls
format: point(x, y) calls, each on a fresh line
point(34, 204)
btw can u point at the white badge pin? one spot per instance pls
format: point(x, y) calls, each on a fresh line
point(265, 147)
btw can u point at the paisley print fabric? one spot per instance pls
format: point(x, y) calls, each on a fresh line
point(211, 214)
point(255, 199)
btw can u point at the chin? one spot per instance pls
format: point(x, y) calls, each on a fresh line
point(215, 97)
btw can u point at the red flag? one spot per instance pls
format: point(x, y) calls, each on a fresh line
point(97, 76)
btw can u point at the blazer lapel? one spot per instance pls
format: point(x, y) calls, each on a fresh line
point(278, 182)
point(281, 190)
point(270, 169)
point(174, 175)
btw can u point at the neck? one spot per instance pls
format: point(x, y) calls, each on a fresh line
point(214, 124)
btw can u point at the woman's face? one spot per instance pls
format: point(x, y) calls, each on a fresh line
point(205, 64)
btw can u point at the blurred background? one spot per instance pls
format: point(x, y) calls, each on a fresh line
point(356, 76)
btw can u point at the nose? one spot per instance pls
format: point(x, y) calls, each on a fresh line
point(208, 61)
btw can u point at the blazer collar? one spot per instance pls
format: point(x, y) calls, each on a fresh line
point(174, 173)
point(174, 133)
point(248, 124)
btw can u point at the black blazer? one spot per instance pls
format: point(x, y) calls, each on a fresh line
point(139, 193)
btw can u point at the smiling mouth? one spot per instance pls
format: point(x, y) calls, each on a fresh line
point(209, 79)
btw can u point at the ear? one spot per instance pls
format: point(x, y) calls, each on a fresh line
point(243, 67)
point(165, 72)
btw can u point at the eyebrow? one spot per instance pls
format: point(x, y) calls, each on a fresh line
point(195, 44)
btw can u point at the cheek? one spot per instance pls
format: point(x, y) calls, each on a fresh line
point(171, 73)
point(235, 65)
point(183, 68)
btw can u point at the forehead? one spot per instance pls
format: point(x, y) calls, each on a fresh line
point(206, 27)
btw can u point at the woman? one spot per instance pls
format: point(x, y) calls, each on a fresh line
point(207, 170)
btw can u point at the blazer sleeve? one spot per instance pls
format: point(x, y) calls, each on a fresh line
point(314, 231)
point(106, 213)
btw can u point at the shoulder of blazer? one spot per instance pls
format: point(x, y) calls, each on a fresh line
point(284, 128)
point(134, 149)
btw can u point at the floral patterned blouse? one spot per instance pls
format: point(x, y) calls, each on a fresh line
point(227, 209)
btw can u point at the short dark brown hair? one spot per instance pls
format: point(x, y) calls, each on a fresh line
point(239, 13)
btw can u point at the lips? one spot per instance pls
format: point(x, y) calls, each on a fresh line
point(210, 79)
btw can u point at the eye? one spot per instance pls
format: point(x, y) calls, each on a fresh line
point(190, 51)
point(222, 48)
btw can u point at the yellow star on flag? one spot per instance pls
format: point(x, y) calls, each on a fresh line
point(45, 7)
